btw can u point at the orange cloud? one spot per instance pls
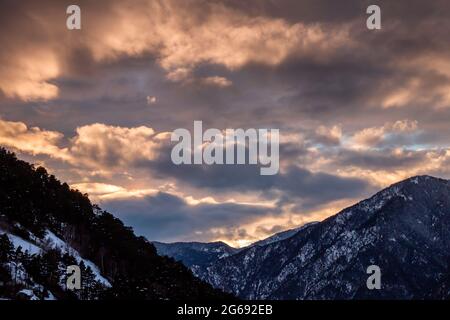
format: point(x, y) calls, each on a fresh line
point(35, 141)
point(171, 31)
point(369, 137)
point(217, 81)
point(25, 75)
point(331, 135)
point(95, 146)
point(98, 145)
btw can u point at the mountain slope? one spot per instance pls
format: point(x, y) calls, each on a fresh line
point(280, 235)
point(200, 254)
point(195, 254)
point(404, 229)
point(59, 227)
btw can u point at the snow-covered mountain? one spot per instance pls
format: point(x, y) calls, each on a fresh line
point(404, 229)
point(280, 235)
point(195, 254)
point(201, 254)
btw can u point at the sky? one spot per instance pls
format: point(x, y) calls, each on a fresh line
point(357, 109)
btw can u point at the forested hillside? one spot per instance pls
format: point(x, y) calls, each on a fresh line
point(46, 226)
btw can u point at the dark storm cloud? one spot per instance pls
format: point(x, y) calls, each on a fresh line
point(167, 217)
point(381, 159)
point(313, 189)
point(295, 184)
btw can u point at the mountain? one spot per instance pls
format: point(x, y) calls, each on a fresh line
point(45, 227)
point(201, 254)
point(404, 230)
point(195, 254)
point(280, 235)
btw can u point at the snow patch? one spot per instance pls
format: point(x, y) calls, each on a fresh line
point(26, 245)
point(29, 293)
point(56, 242)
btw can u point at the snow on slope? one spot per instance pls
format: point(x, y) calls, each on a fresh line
point(18, 271)
point(281, 235)
point(54, 241)
point(404, 229)
point(26, 245)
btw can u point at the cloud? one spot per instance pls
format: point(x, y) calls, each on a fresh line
point(385, 159)
point(179, 74)
point(28, 77)
point(99, 146)
point(292, 185)
point(151, 100)
point(329, 136)
point(93, 146)
point(78, 101)
point(217, 81)
point(102, 145)
point(165, 217)
point(371, 137)
point(309, 189)
point(32, 140)
point(172, 31)
point(95, 189)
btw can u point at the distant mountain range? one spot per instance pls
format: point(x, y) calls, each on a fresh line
point(200, 254)
point(195, 254)
point(403, 229)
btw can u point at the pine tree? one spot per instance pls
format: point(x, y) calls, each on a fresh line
point(16, 259)
point(6, 248)
point(33, 201)
point(89, 285)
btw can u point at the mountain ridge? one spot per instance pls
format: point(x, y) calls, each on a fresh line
point(403, 228)
point(195, 254)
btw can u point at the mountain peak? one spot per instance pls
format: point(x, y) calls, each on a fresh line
point(403, 229)
point(417, 189)
point(423, 179)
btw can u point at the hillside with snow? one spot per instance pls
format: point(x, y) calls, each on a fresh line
point(45, 227)
point(23, 250)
